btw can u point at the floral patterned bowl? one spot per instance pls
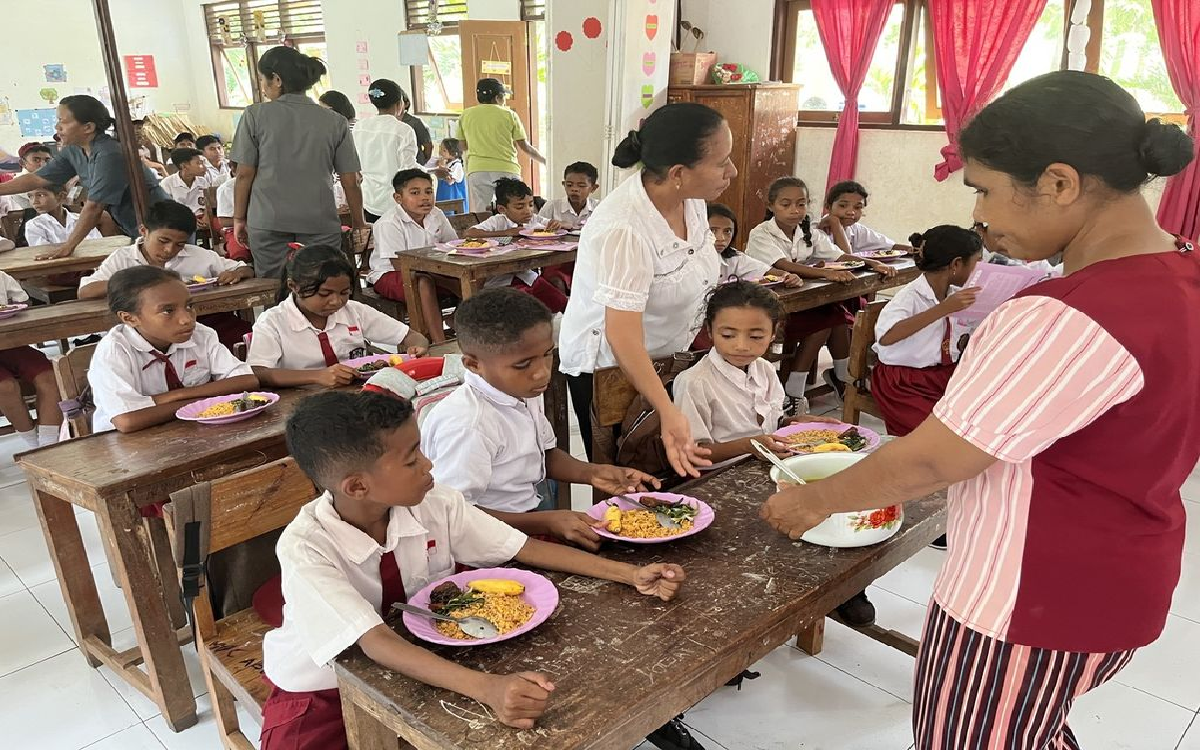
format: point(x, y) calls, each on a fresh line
point(857, 529)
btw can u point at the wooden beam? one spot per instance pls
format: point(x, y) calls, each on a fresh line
point(120, 101)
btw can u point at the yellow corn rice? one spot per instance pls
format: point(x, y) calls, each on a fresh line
point(223, 409)
point(809, 439)
point(505, 611)
point(641, 524)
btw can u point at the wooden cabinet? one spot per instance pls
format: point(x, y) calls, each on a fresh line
point(762, 118)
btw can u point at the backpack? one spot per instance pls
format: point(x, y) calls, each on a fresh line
point(639, 443)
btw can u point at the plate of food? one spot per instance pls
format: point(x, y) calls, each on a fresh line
point(888, 253)
point(7, 311)
point(198, 283)
point(843, 265)
point(804, 438)
point(629, 522)
point(226, 409)
point(472, 245)
point(373, 363)
point(543, 234)
point(515, 601)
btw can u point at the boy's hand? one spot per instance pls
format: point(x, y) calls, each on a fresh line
point(518, 699)
point(659, 579)
point(225, 278)
point(332, 377)
point(417, 351)
point(842, 277)
point(574, 528)
point(811, 418)
point(554, 225)
point(792, 281)
point(883, 269)
point(618, 480)
point(771, 443)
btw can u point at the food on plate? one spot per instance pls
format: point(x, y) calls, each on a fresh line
point(643, 524)
point(507, 611)
point(770, 279)
point(375, 366)
point(497, 586)
point(229, 408)
point(473, 244)
point(825, 441)
point(890, 253)
point(831, 448)
point(612, 516)
point(198, 279)
point(543, 233)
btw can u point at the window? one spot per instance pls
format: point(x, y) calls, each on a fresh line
point(434, 14)
point(438, 86)
point(240, 31)
point(1130, 55)
point(533, 10)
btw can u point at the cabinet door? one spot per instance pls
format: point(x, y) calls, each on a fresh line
point(675, 95)
point(773, 149)
point(735, 106)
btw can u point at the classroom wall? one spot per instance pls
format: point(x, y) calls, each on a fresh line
point(737, 30)
point(576, 78)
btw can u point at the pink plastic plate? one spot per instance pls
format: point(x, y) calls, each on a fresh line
point(542, 234)
point(889, 253)
point(757, 280)
point(199, 286)
point(457, 245)
point(191, 412)
point(843, 265)
point(540, 593)
point(358, 362)
point(870, 436)
point(704, 517)
point(7, 311)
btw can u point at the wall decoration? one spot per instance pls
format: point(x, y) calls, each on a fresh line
point(361, 47)
point(364, 63)
point(651, 26)
point(6, 113)
point(647, 95)
point(55, 73)
point(592, 27)
point(563, 40)
point(648, 63)
point(364, 80)
point(37, 123)
point(495, 67)
point(140, 72)
point(48, 95)
point(363, 98)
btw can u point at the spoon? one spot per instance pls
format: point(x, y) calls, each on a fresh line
point(476, 627)
point(776, 462)
point(663, 519)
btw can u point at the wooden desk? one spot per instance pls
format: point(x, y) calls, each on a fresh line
point(65, 320)
point(22, 264)
point(471, 272)
point(624, 664)
point(818, 293)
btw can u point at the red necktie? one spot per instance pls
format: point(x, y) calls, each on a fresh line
point(331, 359)
point(946, 358)
point(172, 377)
point(393, 584)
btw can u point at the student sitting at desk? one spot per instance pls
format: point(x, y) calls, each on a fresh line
point(189, 181)
point(25, 364)
point(53, 223)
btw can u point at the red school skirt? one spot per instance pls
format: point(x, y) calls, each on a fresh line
point(907, 395)
point(303, 721)
point(807, 322)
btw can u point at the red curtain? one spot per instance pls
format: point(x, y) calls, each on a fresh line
point(975, 43)
point(1178, 24)
point(850, 31)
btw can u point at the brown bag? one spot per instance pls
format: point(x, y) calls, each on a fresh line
point(639, 443)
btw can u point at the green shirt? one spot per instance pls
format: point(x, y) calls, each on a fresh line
point(490, 132)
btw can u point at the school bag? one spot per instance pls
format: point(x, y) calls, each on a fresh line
point(638, 444)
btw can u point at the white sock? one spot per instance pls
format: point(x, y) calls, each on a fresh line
point(48, 434)
point(841, 369)
point(30, 438)
point(797, 381)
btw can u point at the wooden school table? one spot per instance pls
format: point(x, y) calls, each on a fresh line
point(624, 664)
point(67, 319)
point(113, 475)
point(470, 271)
point(22, 264)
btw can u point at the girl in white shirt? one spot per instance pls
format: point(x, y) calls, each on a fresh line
point(844, 204)
point(917, 340)
point(304, 339)
point(53, 224)
point(736, 265)
point(158, 357)
point(26, 364)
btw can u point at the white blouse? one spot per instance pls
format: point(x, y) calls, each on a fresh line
point(769, 244)
point(863, 239)
point(630, 259)
point(923, 348)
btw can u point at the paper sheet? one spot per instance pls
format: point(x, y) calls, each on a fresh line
point(998, 285)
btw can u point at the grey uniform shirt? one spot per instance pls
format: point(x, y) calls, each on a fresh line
point(102, 173)
point(295, 144)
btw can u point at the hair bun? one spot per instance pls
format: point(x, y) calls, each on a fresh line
point(628, 151)
point(1165, 149)
point(916, 239)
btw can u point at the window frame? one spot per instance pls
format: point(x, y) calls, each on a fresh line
point(1092, 56)
point(417, 80)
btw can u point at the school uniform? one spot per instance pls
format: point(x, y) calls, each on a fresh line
point(863, 239)
point(191, 261)
point(454, 188)
point(191, 196)
point(560, 210)
point(44, 229)
point(127, 370)
point(22, 362)
point(397, 232)
point(225, 202)
point(284, 339)
point(489, 445)
point(18, 201)
point(385, 146)
point(338, 583)
point(722, 402)
point(742, 266)
point(912, 374)
point(217, 175)
point(526, 281)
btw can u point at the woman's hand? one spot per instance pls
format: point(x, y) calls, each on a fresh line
point(789, 511)
point(332, 377)
point(574, 528)
point(771, 443)
point(659, 579)
point(239, 231)
point(62, 251)
point(682, 452)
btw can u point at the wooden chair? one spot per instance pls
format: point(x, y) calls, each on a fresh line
point(463, 222)
point(456, 206)
point(70, 372)
point(10, 224)
point(858, 398)
point(240, 507)
point(216, 238)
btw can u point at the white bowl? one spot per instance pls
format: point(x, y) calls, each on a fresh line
point(856, 529)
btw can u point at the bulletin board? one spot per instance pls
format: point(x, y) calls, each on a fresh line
point(37, 123)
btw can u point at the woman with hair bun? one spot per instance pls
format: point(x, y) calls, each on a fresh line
point(1065, 434)
point(386, 145)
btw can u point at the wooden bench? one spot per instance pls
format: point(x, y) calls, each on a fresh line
point(455, 206)
point(858, 398)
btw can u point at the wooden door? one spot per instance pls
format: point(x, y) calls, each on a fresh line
point(500, 49)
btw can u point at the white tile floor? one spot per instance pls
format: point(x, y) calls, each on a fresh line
point(854, 696)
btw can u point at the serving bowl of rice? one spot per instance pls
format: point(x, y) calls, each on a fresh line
point(855, 529)
point(224, 409)
point(512, 615)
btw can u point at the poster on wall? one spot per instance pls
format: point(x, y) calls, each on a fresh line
point(37, 123)
point(140, 72)
point(55, 73)
point(6, 113)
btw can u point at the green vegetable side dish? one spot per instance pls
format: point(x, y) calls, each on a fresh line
point(678, 512)
point(375, 366)
point(248, 402)
point(449, 598)
point(852, 440)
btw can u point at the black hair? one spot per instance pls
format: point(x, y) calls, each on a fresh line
point(1076, 118)
point(297, 71)
point(170, 215)
point(488, 90)
point(773, 193)
point(53, 187)
point(181, 156)
point(496, 318)
point(673, 134)
point(742, 294)
point(453, 146)
point(338, 102)
point(125, 287)
point(845, 187)
point(85, 109)
point(405, 176)
point(205, 141)
point(938, 247)
point(310, 267)
point(720, 209)
point(385, 93)
point(185, 136)
point(335, 433)
point(510, 188)
point(583, 168)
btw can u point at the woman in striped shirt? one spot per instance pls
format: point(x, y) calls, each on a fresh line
point(1065, 434)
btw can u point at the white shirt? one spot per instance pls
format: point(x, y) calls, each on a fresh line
point(284, 339)
point(923, 348)
point(12, 289)
point(385, 146)
point(330, 576)
point(489, 445)
point(191, 261)
point(44, 229)
point(769, 244)
point(743, 267)
point(225, 198)
point(122, 382)
point(18, 201)
point(863, 239)
point(192, 197)
point(501, 223)
point(630, 259)
point(560, 210)
point(217, 176)
point(722, 403)
point(397, 232)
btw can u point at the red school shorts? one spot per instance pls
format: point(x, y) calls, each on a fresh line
point(303, 721)
point(390, 286)
point(23, 363)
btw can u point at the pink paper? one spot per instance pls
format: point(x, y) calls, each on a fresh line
point(999, 285)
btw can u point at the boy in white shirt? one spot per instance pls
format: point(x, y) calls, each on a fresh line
point(54, 222)
point(490, 439)
point(188, 183)
point(33, 156)
point(382, 531)
point(216, 169)
point(580, 181)
point(29, 365)
point(845, 203)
